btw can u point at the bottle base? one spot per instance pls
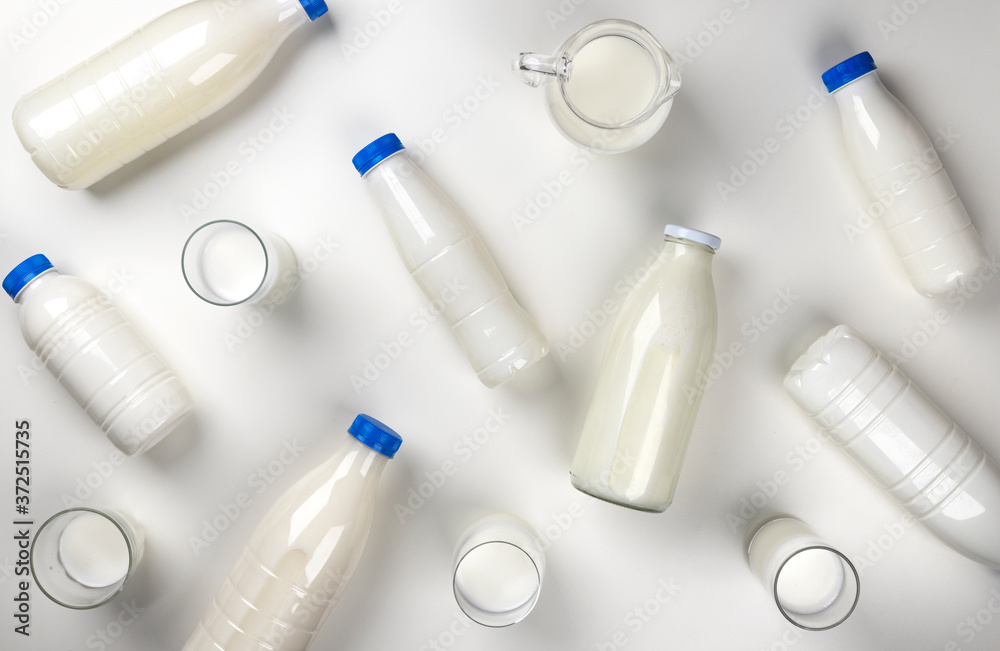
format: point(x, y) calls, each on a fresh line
point(605, 496)
point(946, 267)
point(515, 361)
point(146, 422)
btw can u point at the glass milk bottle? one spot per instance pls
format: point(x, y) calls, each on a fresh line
point(643, 410)
point(97, 355)
point(302, 555)
point(895, 159)
point(902, 439)
point(447, 258)
point(158, 81)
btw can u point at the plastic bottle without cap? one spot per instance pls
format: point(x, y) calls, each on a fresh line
point(97, 355)
point(302, 555)
point(903, 440)
point(158, 81)
point(896, 161)
point(652, 378)
point(450, 263)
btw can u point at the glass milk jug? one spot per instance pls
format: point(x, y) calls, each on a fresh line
point(609, 88)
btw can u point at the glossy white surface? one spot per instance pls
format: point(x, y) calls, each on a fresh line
point(921, 211)
point(298, 560)
point(148, 87)
point(446, 256)
point(651, 383)
point(908, 445)
point(102, 360)
point(264, 380)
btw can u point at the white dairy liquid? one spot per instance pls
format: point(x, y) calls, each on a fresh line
point(644, 406)
point(810, 581)
point(274, 597)
point(102, 360)
point(610, 87)
point(453, 267)
point(895, 159)
point(298, 561)
point(93, 551)
point(163, 78)
point(233, 263)
point(903, 440)
point(815, 587)
point(497, 577)
point(613, 79)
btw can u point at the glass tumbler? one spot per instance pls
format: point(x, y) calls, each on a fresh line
point(226, 262)
point(814, 585)
point(498, 570)
point(83, 557)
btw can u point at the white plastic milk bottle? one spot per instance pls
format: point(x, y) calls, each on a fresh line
point(647, 396)
point(903, 440)
point(302, 555)
point(163, 78)
point(448, 259)
point(896, 161)
point(97, 355)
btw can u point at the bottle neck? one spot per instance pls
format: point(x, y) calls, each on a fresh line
point(679, 249)
point(864, 85)
point(359, 458)
point(399, 162)
point(288, 16)
point(34, 284)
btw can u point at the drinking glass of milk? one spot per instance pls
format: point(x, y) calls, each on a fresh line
point(815, 586)
point(609, 87)
point(226, 262)
point(82, 557)
point(499, 564)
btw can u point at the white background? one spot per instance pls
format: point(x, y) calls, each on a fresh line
point(290, 379)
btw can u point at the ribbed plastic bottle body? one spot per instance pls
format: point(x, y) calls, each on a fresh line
point(648, 393)
point(298, 561)
point(163, 78)
point(102, 360)
point(896, 161)
point(449, 261)
point(902, 439)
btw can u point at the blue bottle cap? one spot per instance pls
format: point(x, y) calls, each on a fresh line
point(24, 273)
point(376, 152)
point(376, 435)
point(314, 8)
point(685, 233)
point(847, 71)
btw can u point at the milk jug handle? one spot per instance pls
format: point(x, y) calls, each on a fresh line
point(534, 68)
